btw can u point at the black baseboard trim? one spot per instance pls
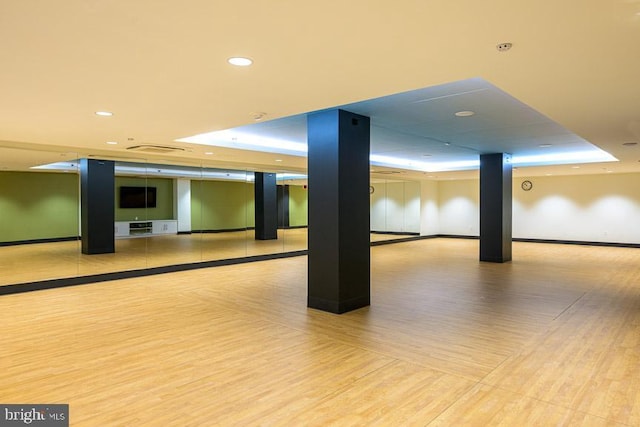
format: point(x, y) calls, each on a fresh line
point(395, 233)
point(402, 240)
point(223, 230)
point(292, 227)
point(458, 236)
point(105, 277)
point(552, 241)
point(29, 242)
point(579, 243)
point(185, 232)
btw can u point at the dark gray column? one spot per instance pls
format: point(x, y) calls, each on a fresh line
point(97, 206)
point(339, 253)
point(495, 207)
point(283, 206)
point(266, 206)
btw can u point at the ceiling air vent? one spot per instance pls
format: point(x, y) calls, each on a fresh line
point(158, 149)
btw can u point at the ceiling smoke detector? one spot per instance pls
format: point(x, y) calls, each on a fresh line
point(258, 115)
point(503, 47)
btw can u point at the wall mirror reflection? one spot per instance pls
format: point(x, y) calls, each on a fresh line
point(164, 215)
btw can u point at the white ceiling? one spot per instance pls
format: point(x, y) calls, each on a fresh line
point(161, 68)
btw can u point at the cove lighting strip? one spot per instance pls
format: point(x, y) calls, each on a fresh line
point(172, 171)
point(246, 141)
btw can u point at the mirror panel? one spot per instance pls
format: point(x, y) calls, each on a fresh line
point(39, 211)
point(179, 215)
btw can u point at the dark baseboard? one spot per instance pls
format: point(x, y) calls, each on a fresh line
point(395, 233)
point(105, 277)
point(223, 230)
point(551, 241)
point(29, 242)
point(580, 243)
point(402, 240)
point(458, 236)
point(292, 227)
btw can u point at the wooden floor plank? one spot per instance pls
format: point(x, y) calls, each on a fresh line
point(552, 338)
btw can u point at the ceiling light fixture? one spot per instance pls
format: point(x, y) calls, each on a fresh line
point(240, 61)
point(208, 153)
point(104, 113)
point(545, 145)
point(278, 160)
point(503, 47)
point(465, 113)
point(112, 142)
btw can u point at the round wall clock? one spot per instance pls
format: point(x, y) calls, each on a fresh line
point(526, 185)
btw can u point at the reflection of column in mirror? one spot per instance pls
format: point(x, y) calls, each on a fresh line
point(266, 206)
point(283, 211)
point(97, 184)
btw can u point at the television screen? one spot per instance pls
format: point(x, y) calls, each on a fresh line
point(137, 197)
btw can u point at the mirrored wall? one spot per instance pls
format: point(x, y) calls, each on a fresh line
point(164, 215)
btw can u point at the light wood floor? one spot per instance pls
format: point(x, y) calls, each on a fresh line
point(44, 261)
point(552, 338)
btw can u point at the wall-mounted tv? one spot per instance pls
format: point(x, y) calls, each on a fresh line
point(137, 197)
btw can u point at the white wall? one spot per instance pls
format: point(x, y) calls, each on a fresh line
point(429, 212)
point(182, 204)
point(591, 208)
point(598, 208)
point(395, 207)
point(459, 205)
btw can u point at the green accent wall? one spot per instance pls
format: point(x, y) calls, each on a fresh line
point(297, 206)
point(164, 199)
point(222, 205)
point(38, 205)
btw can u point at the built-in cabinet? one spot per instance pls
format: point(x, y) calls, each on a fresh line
point(145, 228)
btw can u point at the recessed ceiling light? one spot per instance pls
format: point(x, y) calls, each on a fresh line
point(112, 142)
point(104, 113)
point(465, 113)
point(575, 167)
point(240, 61)
point(208, 153)
point(278, 160)
point(544, 145)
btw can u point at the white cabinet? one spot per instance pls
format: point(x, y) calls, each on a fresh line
point(122, 228)
point(145, 228)
point(164, 227)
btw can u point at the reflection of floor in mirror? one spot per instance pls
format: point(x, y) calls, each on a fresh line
point(44, 261)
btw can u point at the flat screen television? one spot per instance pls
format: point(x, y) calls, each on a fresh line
point(137, 197)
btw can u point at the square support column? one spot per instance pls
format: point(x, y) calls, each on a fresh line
point(97, 206)
point(283, 206)
point(266, 206)
point(495, 207)
point(339, 251)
